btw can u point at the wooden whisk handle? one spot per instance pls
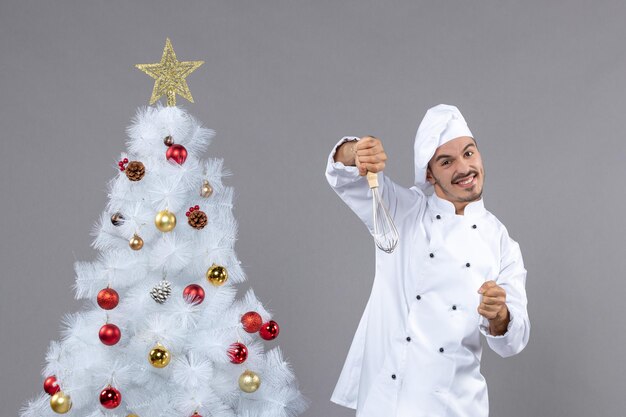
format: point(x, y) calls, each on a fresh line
point(372, 179)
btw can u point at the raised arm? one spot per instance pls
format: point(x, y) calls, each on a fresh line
point(348, 163)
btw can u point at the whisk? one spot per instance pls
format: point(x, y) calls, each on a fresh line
point(385, 233)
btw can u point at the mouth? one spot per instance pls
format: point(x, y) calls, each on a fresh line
point(466, 182)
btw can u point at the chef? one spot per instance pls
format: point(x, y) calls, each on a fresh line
point(455, 274)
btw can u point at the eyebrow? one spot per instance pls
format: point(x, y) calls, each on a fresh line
point(448, 156)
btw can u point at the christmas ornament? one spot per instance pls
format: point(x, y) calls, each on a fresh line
point(117, 219)
point(169, 75)
point(135, 242)
point(51, 385)
point(110, 397)
point(159, 356)
point(132, 415)
point(385, 233)
point(165, 221)
point(122, 164)
point(249, 381)
point(110, 334)
point(269, 330)
point(193, 294)
point(176, 153)
point(238, 353)
point(60, 403)
point(195, 414)
point(251, 321)
point(217, 275)
point(196, 218)
point(135, 170)
point(168, 141)
point(108, 299)
point(161, 292)
point(206, 189)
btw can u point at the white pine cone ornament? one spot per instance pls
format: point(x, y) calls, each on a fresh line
point(161, 292)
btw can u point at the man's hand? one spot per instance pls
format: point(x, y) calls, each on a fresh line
point(367, 155)
point(493, 307)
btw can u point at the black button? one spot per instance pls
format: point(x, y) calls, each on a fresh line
point(432, 255)
point(473, 226)
point(438, 217)
point(393, 376)
point(453, 307)
point(408, 338)
point(419, 297)
point(441, 350)
point(467, 264)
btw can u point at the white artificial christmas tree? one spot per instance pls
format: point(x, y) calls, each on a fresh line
point(162, 333)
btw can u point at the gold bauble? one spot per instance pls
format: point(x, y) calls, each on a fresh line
point(132, 415)
point(249, 381)
point(136, 242)
point(60, 403)
point(217, 275)
point(165, 221)
point(159, 356)
point(206, 189)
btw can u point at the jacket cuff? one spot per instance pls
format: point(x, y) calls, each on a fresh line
point(484, 327)
point(336, 172)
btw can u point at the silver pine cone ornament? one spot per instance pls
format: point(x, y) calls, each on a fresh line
point(161, 292)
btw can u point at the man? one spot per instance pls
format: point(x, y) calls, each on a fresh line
point(455, 274)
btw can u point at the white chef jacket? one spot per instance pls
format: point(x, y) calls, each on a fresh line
point(417, 349)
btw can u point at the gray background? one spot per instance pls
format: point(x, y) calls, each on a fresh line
point(540, 83)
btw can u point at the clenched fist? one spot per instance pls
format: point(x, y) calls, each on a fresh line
point(493, 307)
point(367, 154)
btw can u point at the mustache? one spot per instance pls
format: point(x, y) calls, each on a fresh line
point(460, 176)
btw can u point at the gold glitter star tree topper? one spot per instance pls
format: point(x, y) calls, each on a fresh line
point(169, 76)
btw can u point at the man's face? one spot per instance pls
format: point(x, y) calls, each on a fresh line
point(456, 171)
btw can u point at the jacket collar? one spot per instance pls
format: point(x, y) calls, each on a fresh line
point(444, 207)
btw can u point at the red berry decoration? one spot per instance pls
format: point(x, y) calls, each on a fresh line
point(108, 298)
point(238, 353)
point(51, 385)
point(251, 321)
point(269, 330)
point(110, 334)
point(176, 152)
point(193, 294)
point(110, 397)
point(122, 164)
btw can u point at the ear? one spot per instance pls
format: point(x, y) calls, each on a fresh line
point(429, 175)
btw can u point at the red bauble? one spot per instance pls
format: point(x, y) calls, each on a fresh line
point(51, 385)
point(176, 152)
point(251, 321)
point(238, 353)
point(110, 334)
point(269, 330)
point(110, 397)
point(108, 298)
point(193, 294)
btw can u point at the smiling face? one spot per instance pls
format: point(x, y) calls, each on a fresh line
point(456, 171)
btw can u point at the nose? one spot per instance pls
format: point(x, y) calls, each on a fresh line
point(463, 166)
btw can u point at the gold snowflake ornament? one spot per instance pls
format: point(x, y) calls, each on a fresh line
point(169, 76)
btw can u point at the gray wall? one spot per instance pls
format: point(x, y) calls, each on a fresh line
point(540, 83)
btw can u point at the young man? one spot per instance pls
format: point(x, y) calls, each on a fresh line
point(455, 274)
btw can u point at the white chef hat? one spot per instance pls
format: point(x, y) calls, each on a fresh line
point(441, 124)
